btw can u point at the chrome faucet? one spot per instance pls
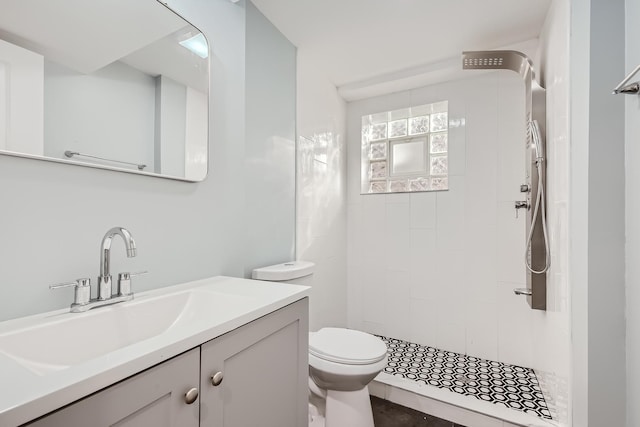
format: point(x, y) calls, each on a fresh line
point(104, 279)
point(82, 299)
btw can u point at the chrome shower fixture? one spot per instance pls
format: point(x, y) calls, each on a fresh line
point(537, 256)
point(497, 60)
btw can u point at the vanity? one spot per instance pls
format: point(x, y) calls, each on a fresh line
point(215, 352)
point(220, 351)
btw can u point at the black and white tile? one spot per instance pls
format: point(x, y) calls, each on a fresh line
point(511, 386)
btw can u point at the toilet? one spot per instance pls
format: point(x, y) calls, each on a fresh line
point(342, 362)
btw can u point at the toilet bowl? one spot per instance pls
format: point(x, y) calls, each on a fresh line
point(342, 362)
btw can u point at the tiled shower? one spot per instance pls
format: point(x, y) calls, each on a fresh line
point(439, 268)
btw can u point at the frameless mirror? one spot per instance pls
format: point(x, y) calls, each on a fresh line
point(114, 84)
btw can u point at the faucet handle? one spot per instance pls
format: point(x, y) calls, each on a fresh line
point(124, 282)
point(82, 293)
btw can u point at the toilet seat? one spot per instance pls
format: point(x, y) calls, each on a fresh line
point(346, 346)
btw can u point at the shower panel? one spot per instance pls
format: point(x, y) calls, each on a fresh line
point(536, 253)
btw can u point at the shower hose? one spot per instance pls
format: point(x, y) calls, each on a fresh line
point(538, 209)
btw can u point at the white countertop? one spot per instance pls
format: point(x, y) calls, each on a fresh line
point(27, 393)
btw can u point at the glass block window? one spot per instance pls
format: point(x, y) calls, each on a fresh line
point(406, 150)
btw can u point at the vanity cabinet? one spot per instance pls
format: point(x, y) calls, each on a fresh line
point(155, 397)
point(262, 374)
point(264, 371)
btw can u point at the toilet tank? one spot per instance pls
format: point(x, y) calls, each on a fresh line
point(296, 272)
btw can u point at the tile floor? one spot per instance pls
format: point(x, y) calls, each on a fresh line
point(511, 386)
point(389, 414)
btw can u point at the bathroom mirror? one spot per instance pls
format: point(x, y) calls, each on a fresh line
point(115, 84)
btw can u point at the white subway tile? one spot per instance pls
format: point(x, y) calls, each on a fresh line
point(397, 237)
point(397, 302)
point(482, 328)
point(373, 295)
point(423, 325)
point(423, 210)
point(451, 335)
point(511, 244)
point(515, 327)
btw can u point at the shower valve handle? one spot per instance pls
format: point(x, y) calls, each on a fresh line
point(521, 204)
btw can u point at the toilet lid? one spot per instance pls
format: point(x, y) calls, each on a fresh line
point(346, 346)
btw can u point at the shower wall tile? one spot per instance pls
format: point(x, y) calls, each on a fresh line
point(441, 255)
point(451, 287)
point(373, 294)
point(482, 332)
point(398, 236)
point(457, 145)
point(355, 313)
point(478, 213)
point(423, 323)
point(422, 277)
point(513, 122)
point(511, 244)
point(451, 334)
point(450, 213)
point(324, 308)
point(373, 223)
point(481, 264)
point(355, 236)
point(322, 223)
point(552, 329)
point(515, 326)
point(423, 210)
point(397, 303)
point(394, 198)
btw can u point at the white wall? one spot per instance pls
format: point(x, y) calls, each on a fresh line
point(321, 222)
point(53, 216)
point(632, 151)
point(551, 336)
point(21, 101)
point(439, 268)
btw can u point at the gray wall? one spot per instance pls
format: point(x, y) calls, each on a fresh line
point(597, 187)
point(170, 126)
point(269, 176)
point(108, 113)
point(53, 216)
point(632, 151)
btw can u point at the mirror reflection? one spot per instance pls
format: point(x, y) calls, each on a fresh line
point(107, 83)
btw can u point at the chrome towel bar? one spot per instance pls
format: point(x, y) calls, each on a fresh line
point(629, 89)
point(70, 154)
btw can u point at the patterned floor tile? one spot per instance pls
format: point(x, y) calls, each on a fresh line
point(511, 386)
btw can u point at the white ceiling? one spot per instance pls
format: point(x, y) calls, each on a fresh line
point(88, 35)
point(356, 41)
point(85, 35)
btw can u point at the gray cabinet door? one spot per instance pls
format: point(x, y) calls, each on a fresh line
point(264, 365)
point(155, 397)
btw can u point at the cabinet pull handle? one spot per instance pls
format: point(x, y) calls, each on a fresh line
point(191, 396)
point(216, 379)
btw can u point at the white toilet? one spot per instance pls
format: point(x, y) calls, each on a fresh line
point(342, 362)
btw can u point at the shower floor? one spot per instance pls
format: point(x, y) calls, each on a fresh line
point(511, 386)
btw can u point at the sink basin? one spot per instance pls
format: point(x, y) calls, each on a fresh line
point(70, 339)
point(49, 360)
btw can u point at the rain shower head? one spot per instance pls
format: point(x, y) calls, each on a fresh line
point(497, 60)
